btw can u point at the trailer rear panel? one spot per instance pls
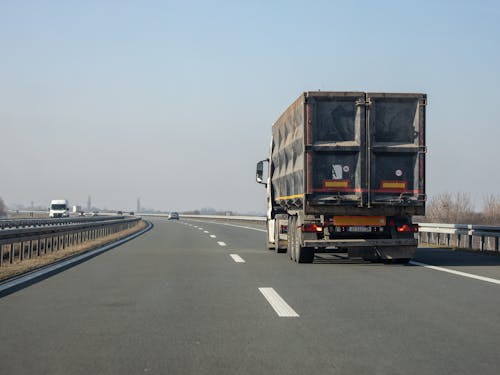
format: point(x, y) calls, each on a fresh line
point(351, 153)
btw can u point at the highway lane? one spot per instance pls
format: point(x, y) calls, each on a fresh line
point(175, 301)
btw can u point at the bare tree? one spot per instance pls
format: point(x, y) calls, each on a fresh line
point(491, 209)
point(449, 208)
point(3, 208)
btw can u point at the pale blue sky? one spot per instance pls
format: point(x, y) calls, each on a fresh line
point(174, 101)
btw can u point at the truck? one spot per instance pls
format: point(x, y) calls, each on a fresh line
point(346, 174)
point(59, 208)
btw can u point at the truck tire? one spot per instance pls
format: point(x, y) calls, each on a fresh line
point(291, 237)
point(305, 254)
point(270, 245)
point(277, 242)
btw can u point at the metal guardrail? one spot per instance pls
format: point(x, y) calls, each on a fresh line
point(464, 236)
point(29, 242)
point(24, 223)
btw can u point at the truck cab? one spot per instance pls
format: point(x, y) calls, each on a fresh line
point(59, 208)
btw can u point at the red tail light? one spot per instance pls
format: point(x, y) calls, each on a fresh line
point(312, 228)
point(407, 228)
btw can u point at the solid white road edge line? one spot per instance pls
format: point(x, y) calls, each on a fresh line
point(278, 304)
point(464, 274)
point(221, 243)
point(237, 258)
point(237, 226)
point(240, 226)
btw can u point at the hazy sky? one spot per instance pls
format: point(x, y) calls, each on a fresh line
point(173, 101)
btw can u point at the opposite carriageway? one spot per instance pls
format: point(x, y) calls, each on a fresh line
point(35, 237)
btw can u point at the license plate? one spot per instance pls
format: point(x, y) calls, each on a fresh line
point(359, 229)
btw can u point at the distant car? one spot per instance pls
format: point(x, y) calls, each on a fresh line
point(173, 216)
point(119, 213)
point(131, 213)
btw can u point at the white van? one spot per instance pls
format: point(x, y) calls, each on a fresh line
point(59, 208)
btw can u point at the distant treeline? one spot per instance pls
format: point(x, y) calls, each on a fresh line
point(3, 208)
point(459, 209)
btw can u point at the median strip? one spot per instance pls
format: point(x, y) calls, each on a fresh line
point(278, 304)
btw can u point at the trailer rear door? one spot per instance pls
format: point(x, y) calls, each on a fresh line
point(335, 138)
point(396, 148)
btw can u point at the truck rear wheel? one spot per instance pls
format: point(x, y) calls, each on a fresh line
point(305, 254)
point(291, 237)
point(277, 242)
point(301, 254)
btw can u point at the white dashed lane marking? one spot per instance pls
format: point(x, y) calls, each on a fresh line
point(213, 236)
point(278, 304)
point(221, 243)
point(237, 258)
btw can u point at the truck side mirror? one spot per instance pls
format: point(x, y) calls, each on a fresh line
point(259, 177)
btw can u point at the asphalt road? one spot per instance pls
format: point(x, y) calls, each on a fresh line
point(178, 301)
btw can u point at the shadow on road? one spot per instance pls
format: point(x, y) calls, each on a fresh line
point(329, 258)
point(458, 258)
point(431, 256)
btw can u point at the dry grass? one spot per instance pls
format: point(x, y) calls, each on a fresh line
point(8, 270)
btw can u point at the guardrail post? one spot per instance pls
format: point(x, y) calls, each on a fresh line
point(470, 241)
point(11, 253)
point(30, 251)
point(481, 244)
point(1, 254)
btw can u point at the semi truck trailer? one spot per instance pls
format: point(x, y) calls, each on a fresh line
point(346, 173)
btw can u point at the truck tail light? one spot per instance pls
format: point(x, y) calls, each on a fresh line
point(407, 228)
point(312, 228)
